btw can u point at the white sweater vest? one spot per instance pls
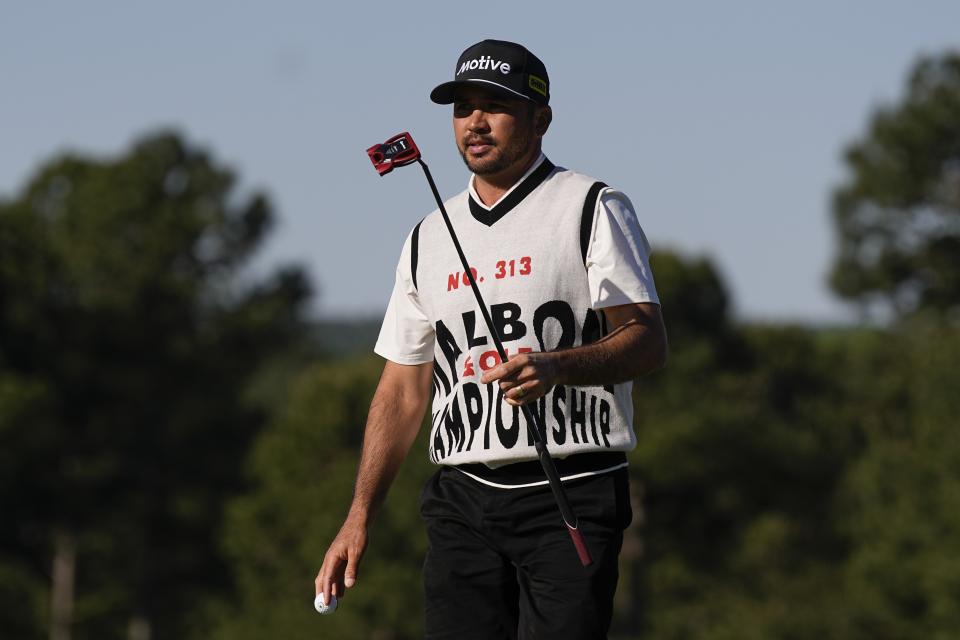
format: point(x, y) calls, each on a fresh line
point(528, 254)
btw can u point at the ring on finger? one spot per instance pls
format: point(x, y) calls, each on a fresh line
point(521, 391)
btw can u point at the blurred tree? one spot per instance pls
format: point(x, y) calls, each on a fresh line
point(796, 484)
point(740, 464)
point(898, 216)
point(127, 344)
point(901, 499)
point(694, 299)
point(740, 452)
point(23, 585)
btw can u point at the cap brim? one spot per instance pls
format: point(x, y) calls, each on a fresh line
point(444, 93)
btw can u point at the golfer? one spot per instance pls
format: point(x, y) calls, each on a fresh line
point(563, 264)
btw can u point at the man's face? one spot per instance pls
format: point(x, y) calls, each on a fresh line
point(494, 133)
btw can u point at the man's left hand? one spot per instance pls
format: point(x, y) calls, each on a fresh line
point(524, 377)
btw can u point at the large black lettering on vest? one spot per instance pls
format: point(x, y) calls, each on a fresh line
point(506, 321)
point(470, 327)
point(474, 416)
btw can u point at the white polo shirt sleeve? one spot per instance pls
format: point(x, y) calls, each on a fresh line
point(618, 256)
point(406, 335)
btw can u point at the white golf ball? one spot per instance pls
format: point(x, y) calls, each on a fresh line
point(322, 607)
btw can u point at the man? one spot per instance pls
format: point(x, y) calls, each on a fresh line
point(563, 264)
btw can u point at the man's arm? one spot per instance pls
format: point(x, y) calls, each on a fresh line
point(636, 345)
point(396, 412)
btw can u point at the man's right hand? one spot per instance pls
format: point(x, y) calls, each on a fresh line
point(339, 569)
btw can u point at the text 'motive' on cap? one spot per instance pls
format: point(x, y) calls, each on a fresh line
point(506, 67)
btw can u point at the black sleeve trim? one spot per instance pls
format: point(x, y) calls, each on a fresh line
point(414, 252)
point(586, 219)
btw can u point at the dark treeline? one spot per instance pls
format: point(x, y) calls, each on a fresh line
point(178, 443)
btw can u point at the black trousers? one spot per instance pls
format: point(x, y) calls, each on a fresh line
point(500, 563)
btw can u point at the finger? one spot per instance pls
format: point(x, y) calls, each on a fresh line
point(509, 383)
point(350, 576)
point(526, 376)
point(529, 392)
point(323, 585)
point(331, 574)
point(336, 589)
point(502, 370)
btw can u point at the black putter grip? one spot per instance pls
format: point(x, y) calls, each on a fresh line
point(556, 486)
point(533, 424)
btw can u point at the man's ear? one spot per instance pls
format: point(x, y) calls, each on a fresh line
point(542, 119)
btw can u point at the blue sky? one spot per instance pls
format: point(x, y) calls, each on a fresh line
point(723, 122)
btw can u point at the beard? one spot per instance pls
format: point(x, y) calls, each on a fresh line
point(498, 158)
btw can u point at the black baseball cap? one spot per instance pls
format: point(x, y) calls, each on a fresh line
point(506, 67)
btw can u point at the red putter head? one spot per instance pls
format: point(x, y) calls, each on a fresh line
point(395, 152)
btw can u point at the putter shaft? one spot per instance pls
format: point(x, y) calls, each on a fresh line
point(533, 424)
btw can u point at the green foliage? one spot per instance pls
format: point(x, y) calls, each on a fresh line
point(693, 298)
point(23, 591)
point(23, 595)
point(902, 499)
point(738, 460)
point(127, 346)
point(898, 216)
point(303, 468)
point(811, 492)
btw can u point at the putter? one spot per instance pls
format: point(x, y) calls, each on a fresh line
point(401, 150)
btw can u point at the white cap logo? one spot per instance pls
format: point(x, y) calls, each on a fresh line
point(484, 63)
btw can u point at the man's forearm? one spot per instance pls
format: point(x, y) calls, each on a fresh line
point(637, 346)
point(392, 426)
point(393, 421)
point(628, 352)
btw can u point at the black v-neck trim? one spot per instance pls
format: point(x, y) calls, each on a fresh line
point(502, 208)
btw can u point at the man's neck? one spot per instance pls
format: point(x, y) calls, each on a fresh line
point(491, 188)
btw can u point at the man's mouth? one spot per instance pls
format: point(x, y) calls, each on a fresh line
point(477, 146)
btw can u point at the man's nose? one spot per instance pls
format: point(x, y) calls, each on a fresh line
point(478, 121)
